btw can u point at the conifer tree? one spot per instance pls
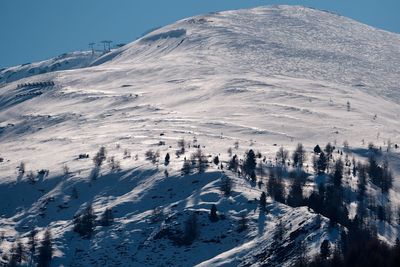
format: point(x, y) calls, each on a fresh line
point(275, 188)
point(387, 177)
point(362, 181)
point(322, 163)
point(20, 252)
point(325, 249)
point(263, 200)
point(329, 150)
point(233, 164)
point(242, 223)
point(279, 232)
point(32, 247)
point(299, 156)
point(84, 223)
point(181, 147)
point(317, 149)
point(213, 213)
point(249, 164)
point(216, 160)
point(13, 259)
point(295, 197)
point(45, 250)
point(186, 168)
point(338, 173)
point(100, 157)
point(167, 159)
point(107, 217)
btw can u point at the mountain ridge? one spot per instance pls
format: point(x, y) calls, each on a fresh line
point(224, 82)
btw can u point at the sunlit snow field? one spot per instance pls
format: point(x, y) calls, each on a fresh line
point(264, 77)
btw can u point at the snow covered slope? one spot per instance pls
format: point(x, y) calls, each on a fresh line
point(264, 77)
point(67, 61)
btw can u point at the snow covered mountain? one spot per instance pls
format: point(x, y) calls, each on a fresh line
point(264, 78)
point(66, 61)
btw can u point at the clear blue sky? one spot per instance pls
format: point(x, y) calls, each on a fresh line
point(33, 30)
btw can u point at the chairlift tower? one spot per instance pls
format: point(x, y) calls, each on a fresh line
point(109, 44)
point(91, 45)
point(104, 45)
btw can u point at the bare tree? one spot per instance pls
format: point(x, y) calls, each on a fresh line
point(21, 168)
point(114, 164)
point(230, 152)
point(389, 145)
point(299, 156)
point(226, 185)
point(282, 155)
point(199, 160)
point(66, 170)
point(181, 147)
point(191, 230)
point(152, 156)
point(100, 157)
point(31, 177)
point(236, 144)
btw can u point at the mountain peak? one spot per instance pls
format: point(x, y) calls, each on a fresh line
point(285, 40)
point(154, 140)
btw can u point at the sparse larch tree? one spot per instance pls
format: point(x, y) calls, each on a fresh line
point(21, 168)
point(186, 168)
point(181, 147)
point(230, 152)
point(100, 157)
point(275, 188)
point(226, 185)
point(299, 156)
point(233, 164)
point(199, 160)
point(281, 156)
point(114, 164)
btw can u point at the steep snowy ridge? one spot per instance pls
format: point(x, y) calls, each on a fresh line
point(67, 61)
point(264, 77)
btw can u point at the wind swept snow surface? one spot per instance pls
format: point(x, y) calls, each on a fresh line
point(264, 77)
point(66, 61)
